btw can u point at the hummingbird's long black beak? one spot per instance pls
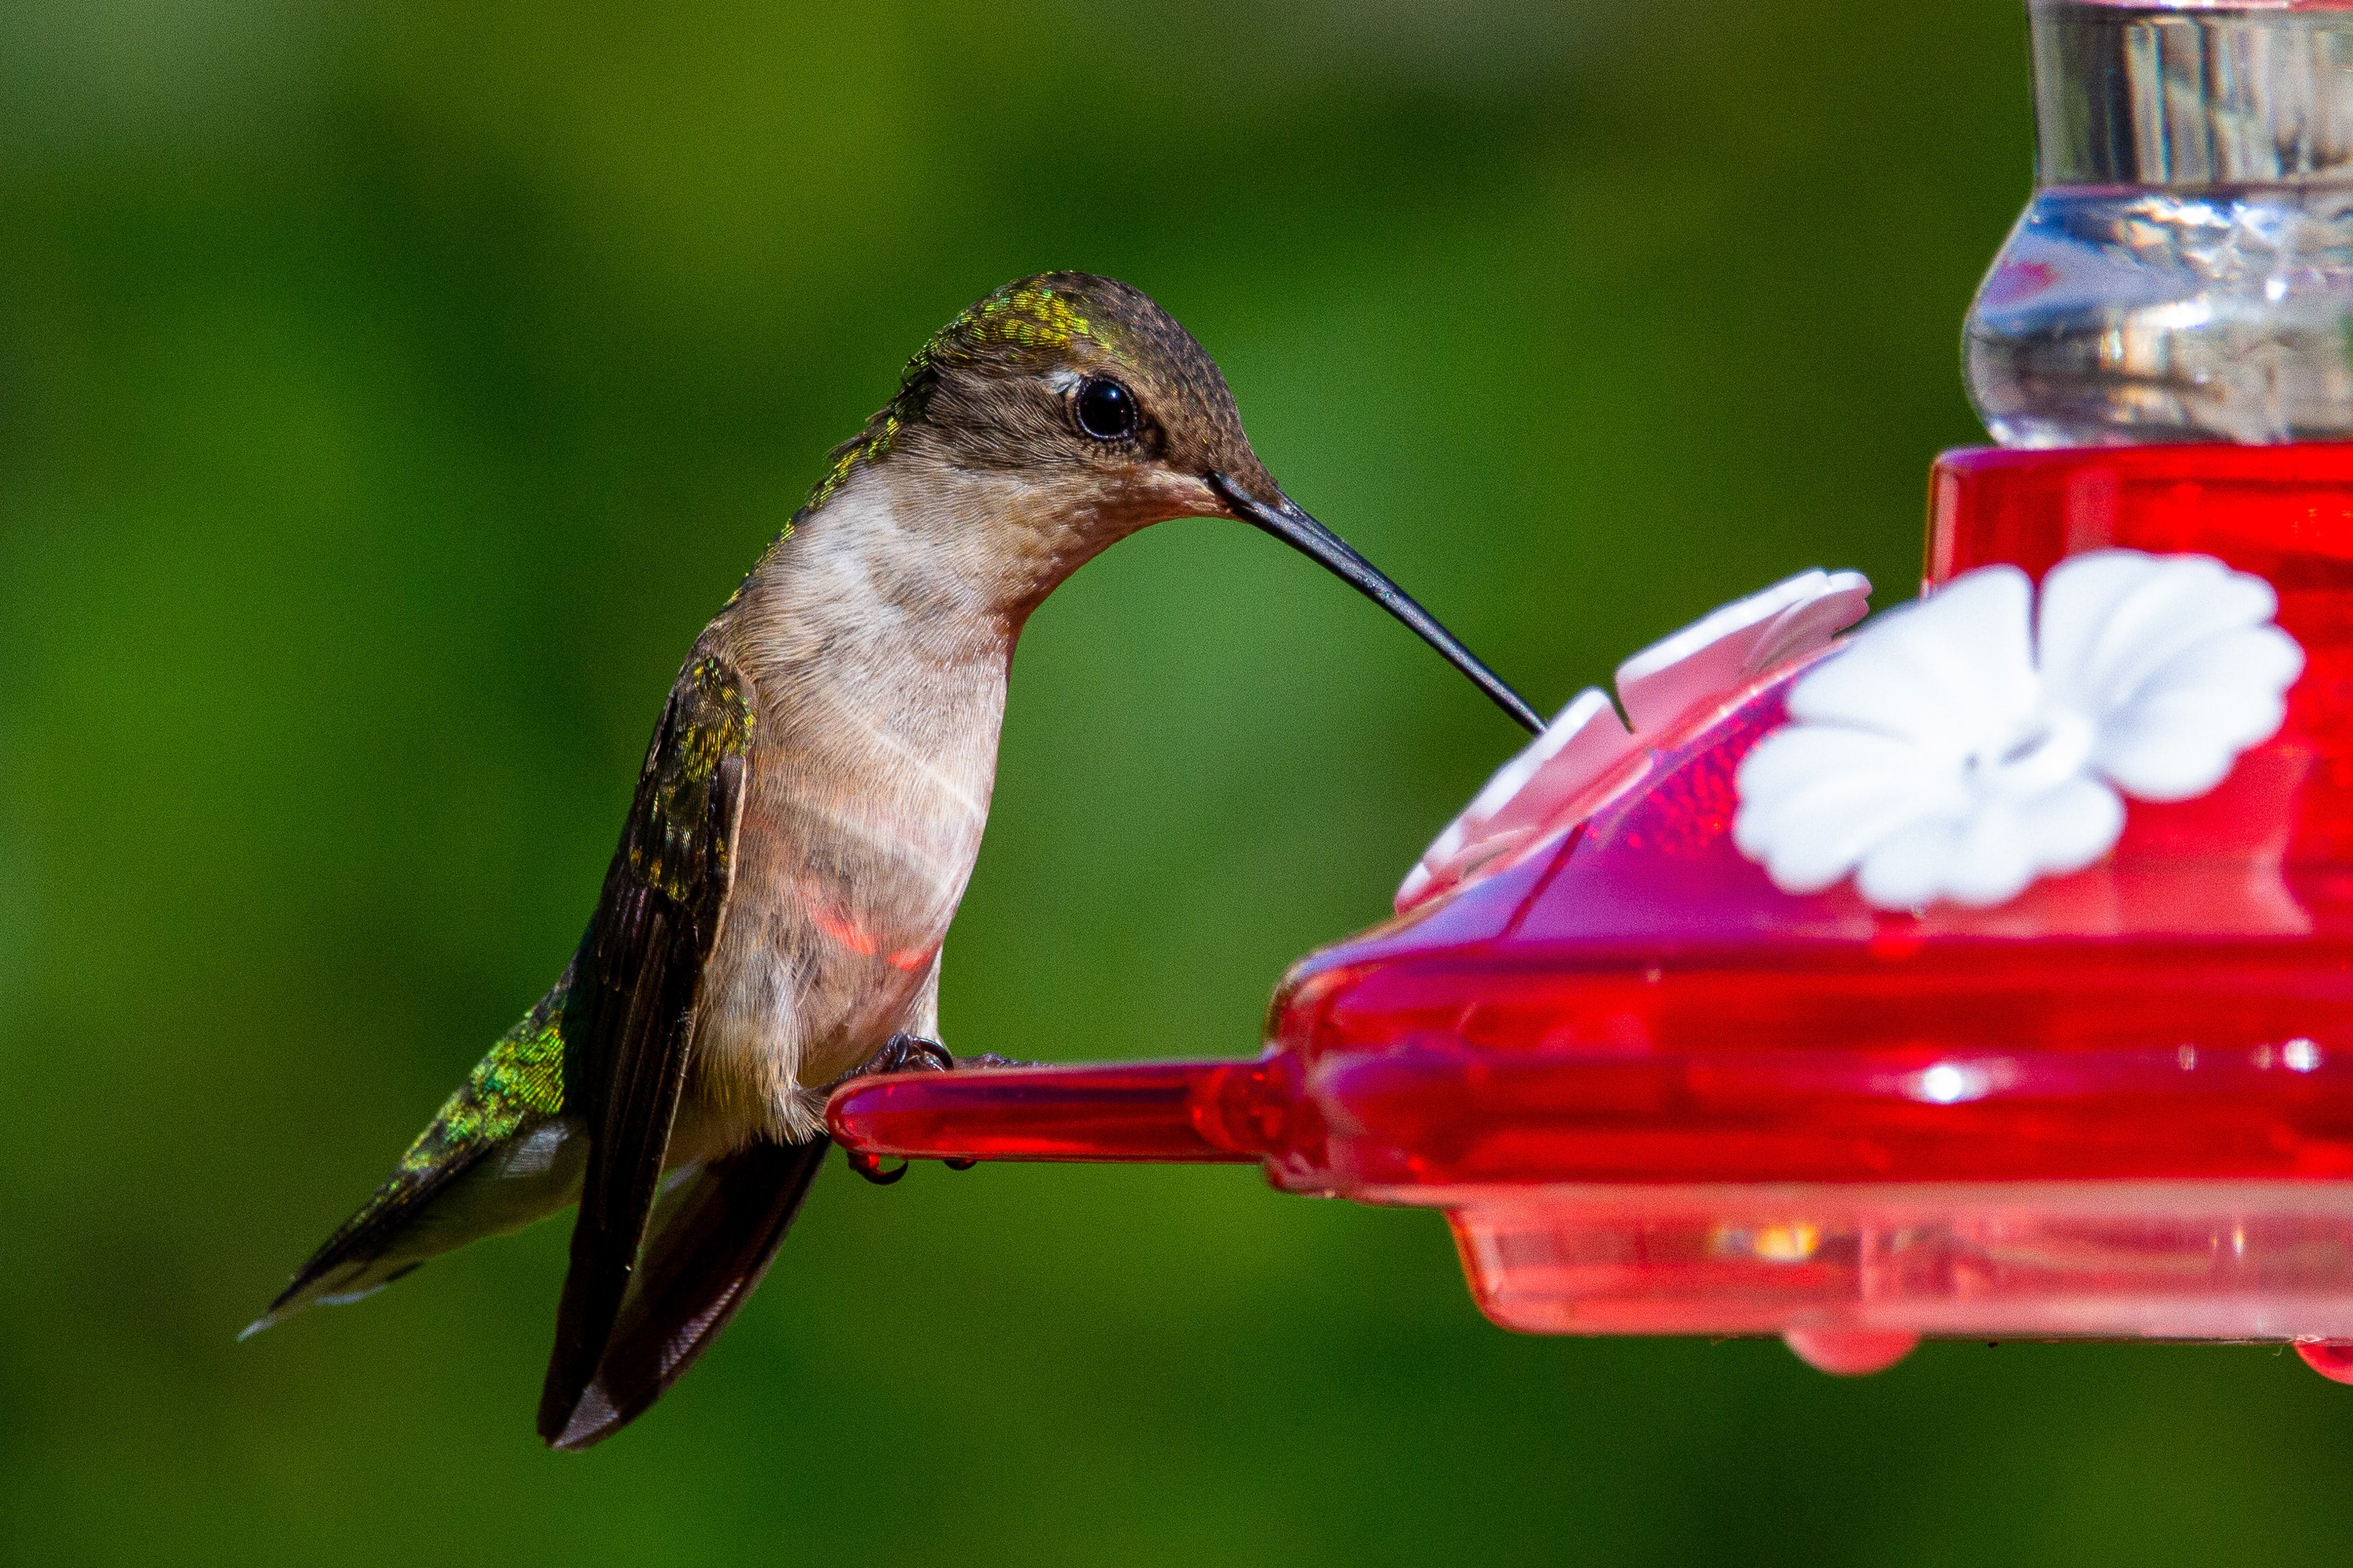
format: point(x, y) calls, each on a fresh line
point(1283, 518)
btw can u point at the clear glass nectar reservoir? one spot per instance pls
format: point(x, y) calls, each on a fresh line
point(2185, 270)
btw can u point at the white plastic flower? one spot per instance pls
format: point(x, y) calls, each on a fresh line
point(1954, 751)
point(1565, 773)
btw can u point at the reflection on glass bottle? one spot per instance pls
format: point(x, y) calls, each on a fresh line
point(2185, 271)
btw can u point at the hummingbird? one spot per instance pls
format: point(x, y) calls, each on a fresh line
point(802, 830)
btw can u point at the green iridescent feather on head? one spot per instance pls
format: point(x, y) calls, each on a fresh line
point(1026, 318)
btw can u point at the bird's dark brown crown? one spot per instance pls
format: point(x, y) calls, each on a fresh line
point(987, 392)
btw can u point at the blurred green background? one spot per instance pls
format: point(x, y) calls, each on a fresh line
point(388, 393)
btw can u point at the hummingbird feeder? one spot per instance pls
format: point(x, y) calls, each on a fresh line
point(1986, 974)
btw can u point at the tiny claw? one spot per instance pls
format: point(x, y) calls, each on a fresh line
point(911, 1053)
point(959, 1165)
point(870, 1167)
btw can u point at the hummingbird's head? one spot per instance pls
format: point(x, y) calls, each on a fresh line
point(1086, 392)
point(1086, 401)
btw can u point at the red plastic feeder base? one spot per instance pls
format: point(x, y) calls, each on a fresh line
point(1656, 1094)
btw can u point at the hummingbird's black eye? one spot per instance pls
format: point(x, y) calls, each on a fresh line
point(1106, 409)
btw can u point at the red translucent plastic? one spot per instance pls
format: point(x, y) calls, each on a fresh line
point(2331, 1359)
point(1654, 1093)
point(1852, 1351)
point(1136, 1111)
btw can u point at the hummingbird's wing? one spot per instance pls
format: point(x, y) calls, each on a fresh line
point(500, 1154)
point(636, 983)
point(714, 1235)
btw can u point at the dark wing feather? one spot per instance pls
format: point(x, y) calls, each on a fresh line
point(716, 1239)
point(637, 976)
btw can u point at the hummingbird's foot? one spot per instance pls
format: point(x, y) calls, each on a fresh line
point(991, 1059)
point(910, 1053)
point(913, 1053)
point(901, 1052)
point(870, 1167)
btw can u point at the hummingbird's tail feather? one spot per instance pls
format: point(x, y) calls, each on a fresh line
point(498, 1156)
point(715, 1235)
